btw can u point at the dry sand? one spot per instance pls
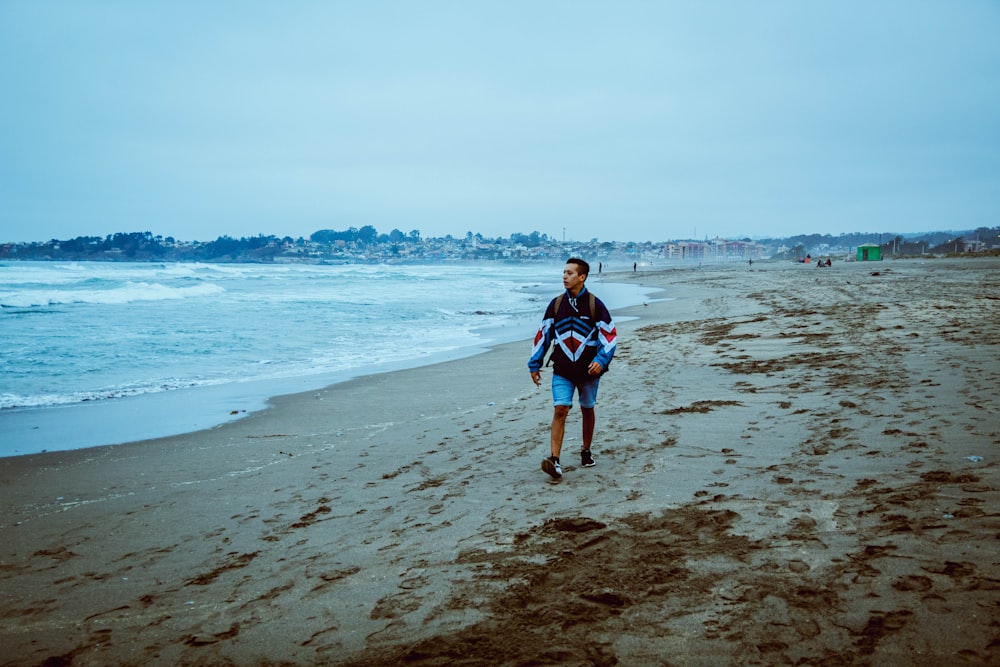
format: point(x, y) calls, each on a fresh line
point(783, 477)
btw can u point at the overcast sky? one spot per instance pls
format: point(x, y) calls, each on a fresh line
point(612, 120)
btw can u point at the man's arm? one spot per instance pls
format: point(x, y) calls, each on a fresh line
point(543, 337)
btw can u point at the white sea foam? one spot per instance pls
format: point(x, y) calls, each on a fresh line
point(126, 293)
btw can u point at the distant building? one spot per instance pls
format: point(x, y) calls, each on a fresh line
point(740, 251)
point(717, 250)
point(686, 250)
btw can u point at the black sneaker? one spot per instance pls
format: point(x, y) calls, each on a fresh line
point(586, 460)
point(552, 467)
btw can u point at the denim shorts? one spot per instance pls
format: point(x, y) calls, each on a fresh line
point(562, 391)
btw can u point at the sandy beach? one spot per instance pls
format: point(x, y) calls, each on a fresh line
point(794, 466)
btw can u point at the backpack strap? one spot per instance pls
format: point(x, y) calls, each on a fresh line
point(592, 301)
point(593, 316)
point(593, 305)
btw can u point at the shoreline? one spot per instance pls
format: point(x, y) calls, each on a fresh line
point(785, 470)
point(177, 412)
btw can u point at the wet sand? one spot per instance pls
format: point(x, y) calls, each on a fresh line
point(788, 472)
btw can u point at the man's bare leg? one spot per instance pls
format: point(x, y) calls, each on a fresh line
point(558, 429)
point(589, 419)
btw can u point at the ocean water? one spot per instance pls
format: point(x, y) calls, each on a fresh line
point(96, 353)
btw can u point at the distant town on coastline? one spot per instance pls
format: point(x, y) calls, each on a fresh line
point(368, 245)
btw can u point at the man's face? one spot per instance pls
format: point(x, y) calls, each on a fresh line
point(572, 279)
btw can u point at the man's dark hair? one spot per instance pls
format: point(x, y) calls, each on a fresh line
point(584, 267)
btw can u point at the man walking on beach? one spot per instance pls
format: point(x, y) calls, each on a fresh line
point(584, 337)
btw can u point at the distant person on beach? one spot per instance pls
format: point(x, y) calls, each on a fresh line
point(583, 335)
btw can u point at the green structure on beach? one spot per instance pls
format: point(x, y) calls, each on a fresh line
point(869, 252)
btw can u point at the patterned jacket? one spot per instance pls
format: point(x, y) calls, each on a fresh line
point(579, 336)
